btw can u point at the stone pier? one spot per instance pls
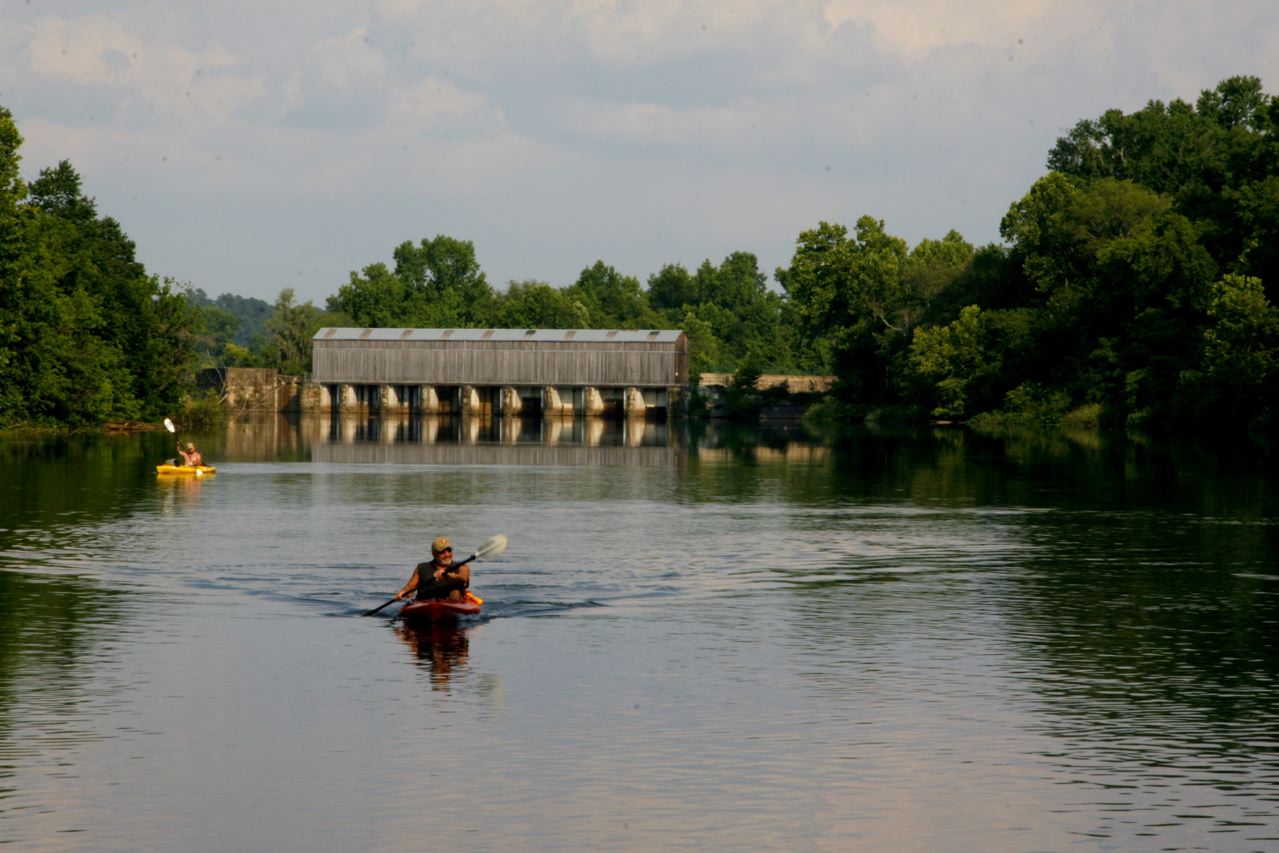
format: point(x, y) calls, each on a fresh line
point(548, 401)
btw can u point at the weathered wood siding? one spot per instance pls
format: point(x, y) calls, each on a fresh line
point(429, 357)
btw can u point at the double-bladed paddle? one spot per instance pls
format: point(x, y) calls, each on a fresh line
point(490, 548)
point(168, 424)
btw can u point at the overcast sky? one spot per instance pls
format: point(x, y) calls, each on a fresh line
point(251, 145)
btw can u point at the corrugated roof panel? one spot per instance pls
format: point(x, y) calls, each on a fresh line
point(580, 335)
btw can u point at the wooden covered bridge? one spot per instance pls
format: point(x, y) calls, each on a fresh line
point(499, 371)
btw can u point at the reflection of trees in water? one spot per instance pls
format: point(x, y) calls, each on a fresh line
point(76, 480)
point(1144, 621)
point(1134, 582)
point(50, 630)
point(442, 647)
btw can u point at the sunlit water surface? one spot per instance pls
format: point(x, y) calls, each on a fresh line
point(930, 642)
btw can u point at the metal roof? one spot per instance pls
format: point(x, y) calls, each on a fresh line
point(522, 335)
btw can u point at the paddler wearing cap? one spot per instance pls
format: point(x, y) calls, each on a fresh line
point(438, 578)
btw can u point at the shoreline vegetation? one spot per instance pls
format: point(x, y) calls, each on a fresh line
point(1135, 288)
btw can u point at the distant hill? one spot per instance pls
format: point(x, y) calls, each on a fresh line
point(250, 313)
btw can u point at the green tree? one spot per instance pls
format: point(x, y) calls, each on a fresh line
point(704, 347)
point(373, 298)
point(1120, 283)
point(217, 328)
point(443, 284)
point(434, 284)
point(1211, 159)
point(932, 267)
point(966, 366)
point(1237, 381)
point(15, 273)
point(287, 347)
point(849, 291)
point(86, 334)
point(744, 317)
point(612, 300)
point(538, 305)
point(672, 288)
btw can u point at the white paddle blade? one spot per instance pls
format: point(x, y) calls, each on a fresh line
point(168, 424)
point(492, 546)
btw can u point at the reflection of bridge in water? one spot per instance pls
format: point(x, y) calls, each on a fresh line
point(460, 440)
point(497, 441)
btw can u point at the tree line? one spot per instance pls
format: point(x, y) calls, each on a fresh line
point(1134, 285)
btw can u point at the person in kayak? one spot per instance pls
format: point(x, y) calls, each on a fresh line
point(438, 578)
point(190, 456)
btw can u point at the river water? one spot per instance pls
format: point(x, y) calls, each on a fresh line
point(723, 640)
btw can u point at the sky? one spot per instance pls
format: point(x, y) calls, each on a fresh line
point(247, 146)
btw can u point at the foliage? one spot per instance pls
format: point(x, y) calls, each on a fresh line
point(229, 319)
point(287, 346)
point(853, 294)
point(1214, 160)
point(201, 412)
point(729, 314)
point(537, 305)
point(87, 335)
point(611, 299)
point(434, 284)
point(1119, 284)
point(1237, 380)
point(742, 398)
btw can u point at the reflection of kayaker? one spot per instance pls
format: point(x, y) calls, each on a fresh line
point(442, 648)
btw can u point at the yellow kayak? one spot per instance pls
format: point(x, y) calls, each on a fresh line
point(196, 470)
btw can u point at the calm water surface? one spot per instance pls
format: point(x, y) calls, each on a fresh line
point(724, 641)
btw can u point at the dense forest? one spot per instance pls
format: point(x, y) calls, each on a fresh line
point(1135, 286)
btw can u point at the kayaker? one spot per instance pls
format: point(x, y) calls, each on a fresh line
point(190, 456)
point(437, 578)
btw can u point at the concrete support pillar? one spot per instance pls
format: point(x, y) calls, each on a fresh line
point(387, 399)
point(315, 397)
point(511, 402)
point(470, 400)
point(428, 400)
point(592, 401)
point(633, 402)
point(348, 400)
point(553, 403)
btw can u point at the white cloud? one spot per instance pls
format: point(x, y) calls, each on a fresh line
point(708, 128)
point(699, 126)
point(435, 105)
point(347, 62)
point(915, 29)
point(98, 52)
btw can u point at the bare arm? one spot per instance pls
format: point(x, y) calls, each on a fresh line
point(411, 585)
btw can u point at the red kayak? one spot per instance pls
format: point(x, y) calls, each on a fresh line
point(437, 609)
